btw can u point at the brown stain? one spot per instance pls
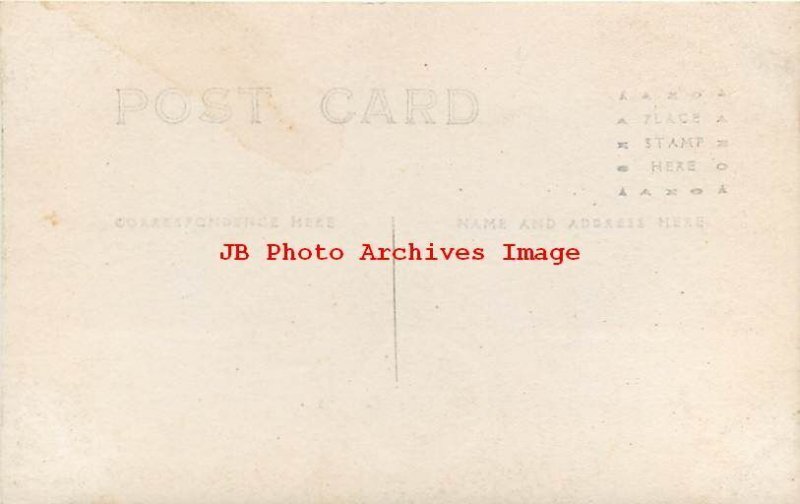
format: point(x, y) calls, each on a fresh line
point(52, 218)
point(220, 44)
point(278, 113)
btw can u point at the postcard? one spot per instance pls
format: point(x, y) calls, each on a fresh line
point(400, 253)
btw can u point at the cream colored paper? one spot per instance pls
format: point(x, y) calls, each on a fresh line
point(661, 367)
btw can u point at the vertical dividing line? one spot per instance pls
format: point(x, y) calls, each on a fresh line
point(394, 306)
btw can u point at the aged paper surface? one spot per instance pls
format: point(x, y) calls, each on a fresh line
point(660, 140)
